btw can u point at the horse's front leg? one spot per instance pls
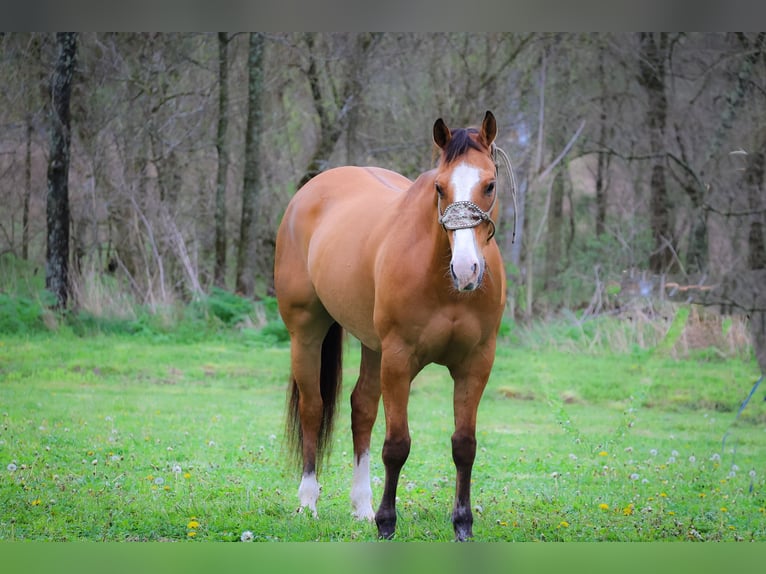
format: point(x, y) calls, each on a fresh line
point(396, 376)
point(469, 387)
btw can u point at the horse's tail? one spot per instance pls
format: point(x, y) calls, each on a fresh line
point(330, 376)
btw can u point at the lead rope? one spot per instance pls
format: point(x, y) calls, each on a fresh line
point(496, 151)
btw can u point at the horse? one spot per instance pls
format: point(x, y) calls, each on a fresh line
point(411, 270)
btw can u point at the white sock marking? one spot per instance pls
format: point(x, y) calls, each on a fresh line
point(361, 492)
point(308, 492)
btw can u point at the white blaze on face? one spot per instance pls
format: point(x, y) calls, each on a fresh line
point(308, 492)
point(361, 493)
point(466, 261)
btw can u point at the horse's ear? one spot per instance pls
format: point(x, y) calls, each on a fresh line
point(442, 134)
point(488, 128)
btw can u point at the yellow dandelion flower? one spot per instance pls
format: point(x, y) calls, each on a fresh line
point(762, 510)
point(671, 513)
point(628, 510)
point(603, 453)
point(191, 534)
point(724, 509)
point(663, 495)
point(192, 524)
point(603, 506)
point(166, 487)
point(503, 523)
point(564, 524)
point(36, 502)
point(187, 475)
point(702, 495)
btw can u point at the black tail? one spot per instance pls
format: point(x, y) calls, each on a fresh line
point(330, 376)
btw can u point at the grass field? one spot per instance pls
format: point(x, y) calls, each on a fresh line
point(125, 438)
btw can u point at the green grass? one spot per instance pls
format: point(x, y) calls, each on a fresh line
point(141, 437)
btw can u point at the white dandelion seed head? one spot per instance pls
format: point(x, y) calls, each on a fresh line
point(115, 457)
point(734, 467)
point(159, 481)
point(572, 456)
point(692, 459)
point(12, 467)
point(211, 443)
point(671, 460)
point(628, 449)
point(653, 452)
point(732, 474)
point(94, 462)
point(674, 453)
point(634, 476)
point(247, 536)
point(177, 468)
point(716, 457)
point(752, 473)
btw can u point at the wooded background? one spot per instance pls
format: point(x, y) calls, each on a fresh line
point(170, 158)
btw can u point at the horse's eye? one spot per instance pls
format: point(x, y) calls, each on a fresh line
point(439, 190)
point(490, 188)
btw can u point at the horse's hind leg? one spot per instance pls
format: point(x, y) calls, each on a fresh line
point(305, 368)
point(364, 410)
point(306, 338)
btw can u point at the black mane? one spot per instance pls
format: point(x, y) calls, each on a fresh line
point(460, 142)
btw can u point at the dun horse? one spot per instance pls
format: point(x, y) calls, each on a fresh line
point(411, 269)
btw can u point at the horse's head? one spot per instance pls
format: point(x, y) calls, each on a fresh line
point(465, 185)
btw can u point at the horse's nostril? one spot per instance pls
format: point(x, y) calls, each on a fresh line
point(452, 270)
point(474, 267)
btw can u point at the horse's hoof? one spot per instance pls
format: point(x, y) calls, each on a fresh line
point(386, 527)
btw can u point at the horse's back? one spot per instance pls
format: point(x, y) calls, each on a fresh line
point(335, 193)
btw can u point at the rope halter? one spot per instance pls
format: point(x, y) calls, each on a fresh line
point(465, 215)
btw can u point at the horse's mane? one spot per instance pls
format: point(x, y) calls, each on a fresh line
point(460, 142)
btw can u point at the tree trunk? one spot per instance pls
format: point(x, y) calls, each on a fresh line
point(553, 238)
point(57, 254)
point(652, 78)
point(754, 176)
point(27, 192)
point(219, 274)
point(602, 168)
point(247, 232)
